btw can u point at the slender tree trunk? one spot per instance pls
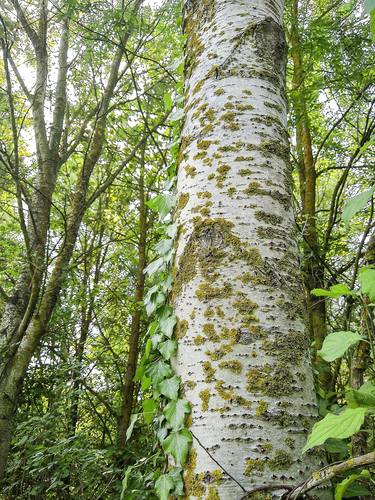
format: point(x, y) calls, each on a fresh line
point(244, 347)
point(14, 368)
point(361, 354)
point(129, 386)
point(312, 259)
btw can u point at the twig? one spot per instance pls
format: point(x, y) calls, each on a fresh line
point(217, 463)
point(326, 473)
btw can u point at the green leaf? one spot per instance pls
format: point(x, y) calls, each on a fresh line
point(133, 419)
point(154, 266)
point(164, 246)
point(148, 406)
point(176, 475)
point(175, 412)
point(145, 382)
point(167, 323)
point(153, 299)
point(162, 204)
point(336, 344)
point(355, 204)
point(158, 370)
point(339, 426)
point(168, 103)
point(369, 5)
point(168, 349)
point(343, 486)
point(334, 291)
point(364, 396)
point(163, 486)
point(366, 278)
point(171, 230)
point(169, 387)
point(336, 446)
point(177, 444)
point(176, 115)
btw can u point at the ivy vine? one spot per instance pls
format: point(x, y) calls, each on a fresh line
point(165, 409)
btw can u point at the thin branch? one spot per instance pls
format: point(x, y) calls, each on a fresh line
point(329, 472)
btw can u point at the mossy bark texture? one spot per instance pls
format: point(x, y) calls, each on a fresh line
point(244, 355)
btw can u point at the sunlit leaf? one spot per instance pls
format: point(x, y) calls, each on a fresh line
point(336, 344)
point(339, 426)
point(355, 204)
point(334, 291)
point(366, 278)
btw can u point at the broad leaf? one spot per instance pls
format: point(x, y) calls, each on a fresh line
point(355, 204)
point(364, 396)
point(168, 349)
point(175, 412)
point(366, 278)
point(334, 291)
point(171, 230)
point(145, 382)
point(339, 426)
point(343, 486)
point(169, 387)
point(336, 344)
point(148, 406)
point(177, 444)
point(158, 370)
point(162, 204)
point(163, 486)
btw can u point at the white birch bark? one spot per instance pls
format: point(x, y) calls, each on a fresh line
point(243, 349)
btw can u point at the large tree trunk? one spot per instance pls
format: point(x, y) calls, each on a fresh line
point(244, 346)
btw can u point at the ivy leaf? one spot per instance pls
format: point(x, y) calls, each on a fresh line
point(164, 246)
point(169, 387)
point(163, 486)
point(366, 278)
point(162, 204)
point(339, 426)
point(171, 230)
point(336, 344)
point(343, 486)
point(168, 349)
point(176, 115)
point(133, 419)
point(148, 406)
point(175, 412)
point(153, 299)
point(177, 444)
point(154, 266)
point(355, 204)
point(176, 475)
point(167, 321)
point(158, 370)
point(334, 291)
